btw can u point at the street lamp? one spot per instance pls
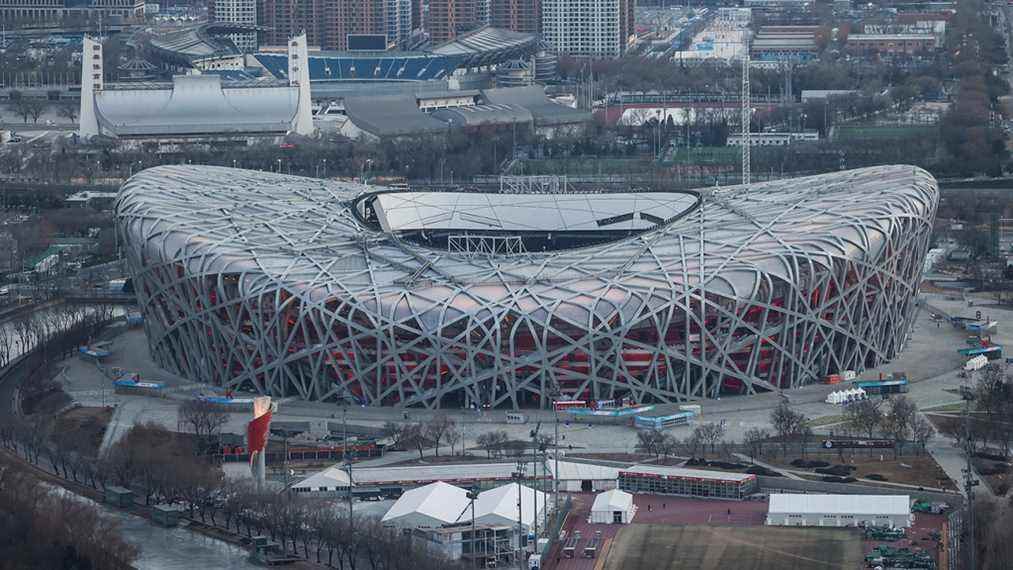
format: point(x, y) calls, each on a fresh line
point(473, 495)
point(519, 476)
point(279, 165)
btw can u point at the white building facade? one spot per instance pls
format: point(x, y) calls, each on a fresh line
point(238, 12)
point(399, 22)
point(598, 28)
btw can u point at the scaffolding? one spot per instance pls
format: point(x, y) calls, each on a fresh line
point(473, 245)
point(534, 185)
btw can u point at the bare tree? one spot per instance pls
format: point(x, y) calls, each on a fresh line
point(492, 442)
point(35, 108)
point(205, 419)
point(753, 439)
point(864, 417)
point(710, 433)
point(453, 437)
point(67, 110)
point(437, 428)
point(395, 432)
point(898, 421)
point(649, 441)
point(668, 446)
point(786, 422)
point(921, 431)
point(414, 435)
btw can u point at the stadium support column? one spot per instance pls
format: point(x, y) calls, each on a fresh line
point(299, 76)
point(91, 82)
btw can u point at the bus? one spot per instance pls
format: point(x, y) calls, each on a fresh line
point(896, 386)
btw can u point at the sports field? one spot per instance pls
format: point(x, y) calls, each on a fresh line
point(665, 547)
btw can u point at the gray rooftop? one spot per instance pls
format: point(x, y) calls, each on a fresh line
point(479, 115)
point(390, 115)
point(533, 98)
point(194, 105)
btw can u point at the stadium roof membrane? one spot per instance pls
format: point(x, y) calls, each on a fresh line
point(399, 211)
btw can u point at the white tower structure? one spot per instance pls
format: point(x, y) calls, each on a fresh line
point(91, 82)
point(299, 76)
point(747, 112)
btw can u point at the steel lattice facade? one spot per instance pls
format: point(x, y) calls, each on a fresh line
point(277, 283)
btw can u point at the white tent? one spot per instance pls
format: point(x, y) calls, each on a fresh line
point(613, 506)
point(499, 506)
point(575, 477)
point(839, 510)
point(431, 506)
point(331, 480)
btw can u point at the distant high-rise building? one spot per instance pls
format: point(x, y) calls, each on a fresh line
point(516, 15)
point(448, 19)
point(236, 12)
point(596, 28)
point(56, 10)
point(399, 22)
point(329, 23)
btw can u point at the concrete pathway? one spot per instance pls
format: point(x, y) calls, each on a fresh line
point(787, 473)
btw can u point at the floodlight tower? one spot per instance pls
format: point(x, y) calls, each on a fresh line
point(746, 111)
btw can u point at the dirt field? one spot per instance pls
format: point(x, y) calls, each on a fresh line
point(664, 547)
point(921, 469)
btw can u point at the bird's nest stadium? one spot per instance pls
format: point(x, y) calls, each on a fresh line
point(530, 292)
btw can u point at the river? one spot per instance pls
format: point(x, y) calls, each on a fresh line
point(177, 548)
point(160, 548)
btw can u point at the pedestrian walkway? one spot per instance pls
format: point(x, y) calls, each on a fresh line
point(787, 473)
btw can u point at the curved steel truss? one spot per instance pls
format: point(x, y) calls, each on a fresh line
point(276, 283)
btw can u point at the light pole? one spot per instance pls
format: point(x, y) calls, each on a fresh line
point(348, 461)
point(279, 165)
point(473, 495)
point(519, 476)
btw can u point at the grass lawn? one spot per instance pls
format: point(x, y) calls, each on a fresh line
point(665, 547)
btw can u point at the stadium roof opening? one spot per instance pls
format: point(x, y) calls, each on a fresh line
point(577, 212)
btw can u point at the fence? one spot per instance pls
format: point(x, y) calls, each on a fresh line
point(556, 525)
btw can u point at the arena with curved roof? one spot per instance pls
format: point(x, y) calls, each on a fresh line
point(335, 291)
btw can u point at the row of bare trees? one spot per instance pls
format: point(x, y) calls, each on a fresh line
point(706, 436)
point(55, 332)
point(41, 529)
point(322, 531)
point(897, 419)
point(164, 468)
point(420, 436)
point(991, 424)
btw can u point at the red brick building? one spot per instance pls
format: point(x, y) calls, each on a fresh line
point(516, 15)
point(327, 22)
point(448, 19)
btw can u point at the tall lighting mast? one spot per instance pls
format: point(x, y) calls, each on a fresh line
point(745, 117)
